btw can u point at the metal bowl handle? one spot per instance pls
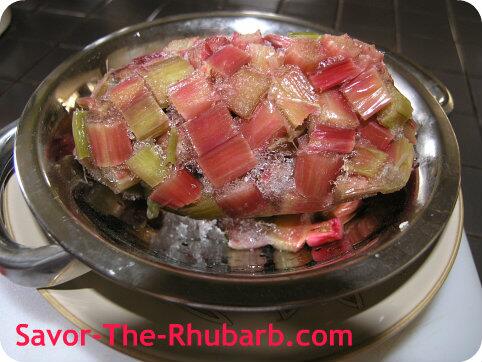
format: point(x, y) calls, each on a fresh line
point(34, 267)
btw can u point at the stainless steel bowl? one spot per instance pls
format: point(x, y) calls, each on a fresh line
point(410, 225)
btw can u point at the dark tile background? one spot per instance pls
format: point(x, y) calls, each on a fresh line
point(445, 36)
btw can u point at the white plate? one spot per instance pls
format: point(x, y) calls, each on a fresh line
point(373, 315)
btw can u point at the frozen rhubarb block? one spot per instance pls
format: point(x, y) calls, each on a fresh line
point(180, 189)
point(216, 42)
point(119, 178)
point(228, 60)
point(79, 131)
point(315, 173)
point(325, 232)
point(160, 75)
point(293, 94)
point(333, 72)
point(205, 208)
point(192, 95)
point(335, 111)
point(241, 200)
point(148, 165)
point(367, 94)
point(398, 112)
point(178, 45)
point(242, 40)
point(266, 124)
point(210, 129)
point(378, 136)
point(366, 161)
point(141, 111)
point(290, 232)
point(324, 138)
point(305, 53)
point(109, 142)
point(245, 89)
point(228, 161)
point(264, 57)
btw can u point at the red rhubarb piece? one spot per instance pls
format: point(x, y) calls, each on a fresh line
point(315, 173)
point(216, 42)
point(180, 189)
point(378, 136)
point(335, 110)
point(228, 60)
point(210, 129)
point(228, 161)
point(198, 53)
point(295, 203)
point(305, 53)
point(267, 123)
point(242, 40)
point(110, 143)
point(242, 200)
point(367, 93)
point(334, 72)
point(191, 96)
point(323, 138)
point(325, 232)
point(278, 41)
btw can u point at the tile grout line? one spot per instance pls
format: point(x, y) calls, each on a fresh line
point(453, 29)
point(398, 40)
point(339, 14)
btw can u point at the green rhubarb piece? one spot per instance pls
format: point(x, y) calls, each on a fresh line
point(148, 165)
point(304, 35)
point(205, 208)
point(367, 161)
point(153, 209)
point(398, 112)
point(172, 146)
point(146, 119)
point(80, 134)
point(159, 76)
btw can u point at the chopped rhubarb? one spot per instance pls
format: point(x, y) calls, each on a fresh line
point(119, 178)
point(179, 190)
point(80, 134)
point(264, 57)
point(278, 41)
point(367, 94)
point(330, 252)
point(286, 260)
point(109, 142)
point(305, 35)
point(178, 45)
point(334, 72)
point(294, 95)
point(378, 136)
point(364, 55)
point(367, 161)
point(315, 173)
point(242, 40)
point(295, 203)
point(266, 124)
point(398, 112)
point(150, 58)
point(410, 131)
point(246, 87)
point(228, 60)
point(354, 186)
point(210, 129)
point(400, 151)
point(290, 232)
point(325, 232)
point(242, 200)
point(205, 208)
point(335, 111)
point(401, 155)
point(305, 53)
point(141, 111)
point(148, 165)
point(344, 211)
point(172, 141)
point(228, 161)
point(216, 42)
point(191, 96)
point(159, 76)
point(198, 53)
point(323, 138)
